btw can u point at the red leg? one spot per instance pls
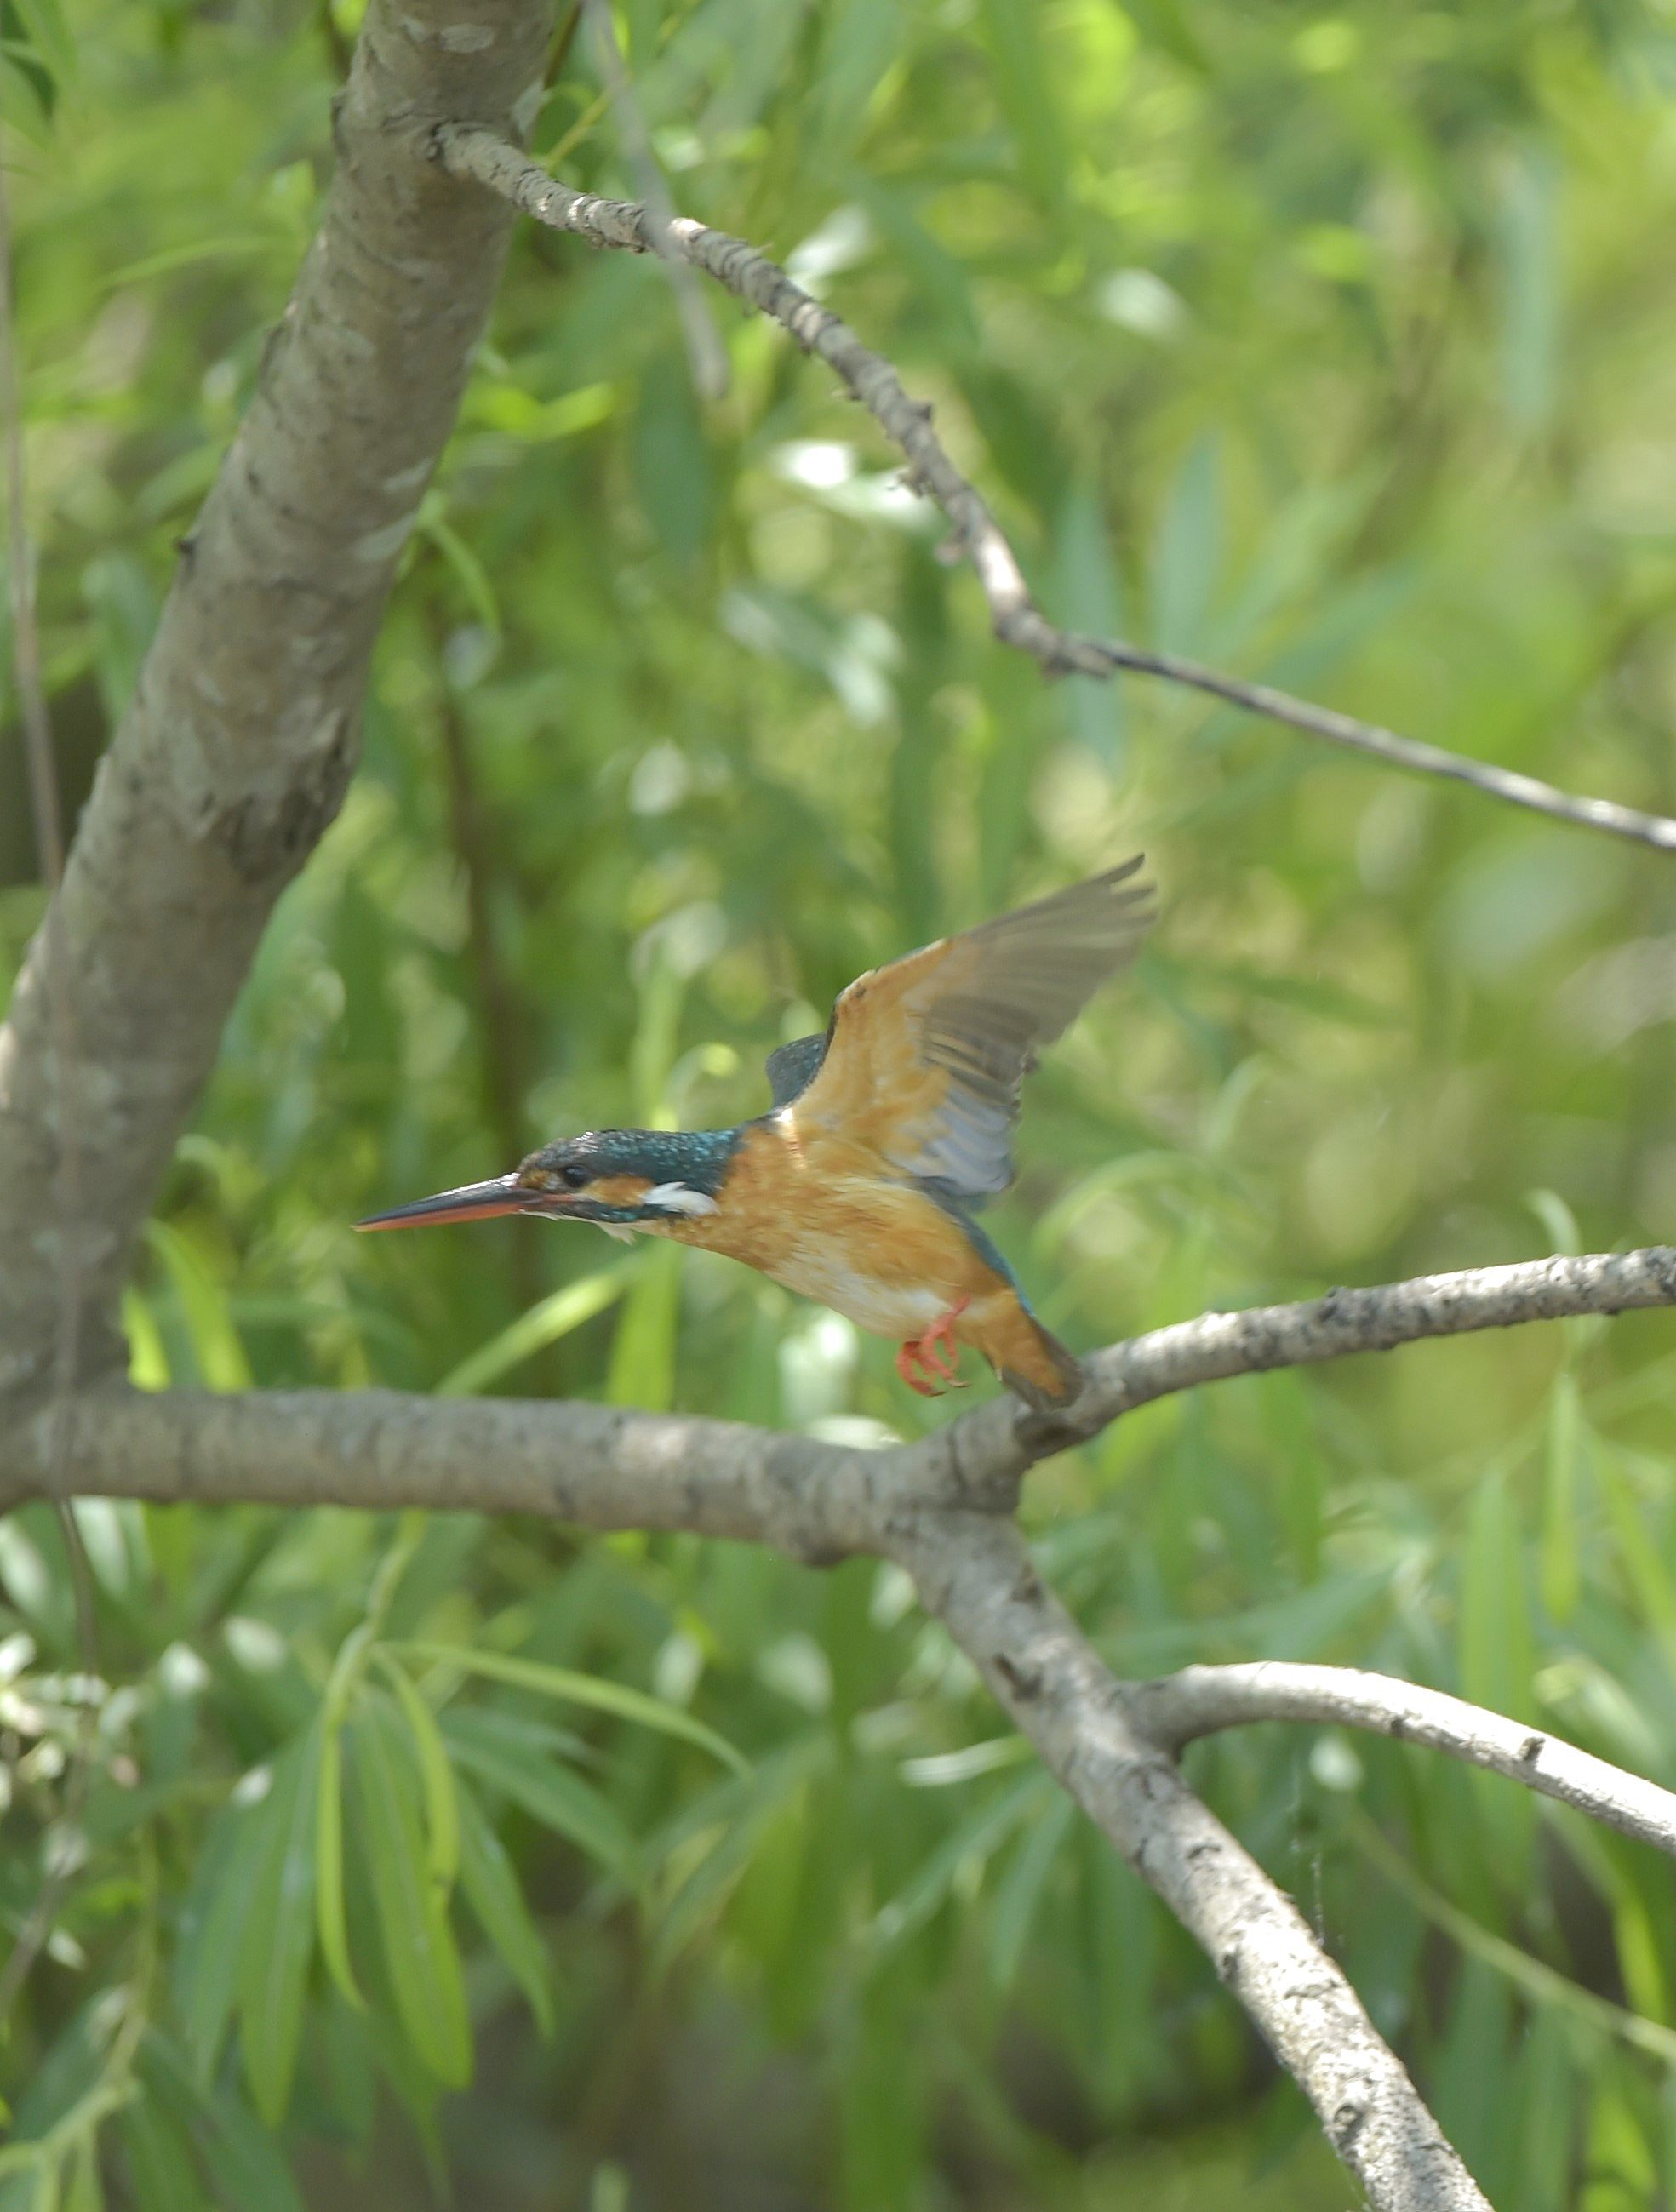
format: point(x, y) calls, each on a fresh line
point(922, 1353)
point(907, 1357)
point(942, 1332)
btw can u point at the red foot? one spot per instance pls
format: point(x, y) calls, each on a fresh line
point(905, 1358)
point(921, 1352)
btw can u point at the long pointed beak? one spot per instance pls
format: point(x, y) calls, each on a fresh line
point(472, 1201)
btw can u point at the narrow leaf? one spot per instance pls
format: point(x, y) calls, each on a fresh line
point(277, 1937)
point(552, 1794)
point(419, 1954)
point(543, 1324)
point(1021, 1889)
point(435, 1775)
point(244, 2166)
point(216, 1912)
point(330, 1920)
point(580, 1689)
point(491, 1889)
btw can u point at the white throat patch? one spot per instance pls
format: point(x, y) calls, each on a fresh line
point(677, 1197)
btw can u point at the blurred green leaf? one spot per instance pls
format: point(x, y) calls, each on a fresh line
point(491, 1888)
point(1018, 1894)
point(245, 2164)
point(420, 1959)
point(969, 1846)
point(549, 1323)
point(1187, 554)
point(205, 1309)
point(441, 1810)
point(331, 1922)
point(563, 1682)
point(1013, 30)
point(1564, 1447)
point(214, 1917)
point(559, 1799)
point(276, 1939)
point(1527, 240)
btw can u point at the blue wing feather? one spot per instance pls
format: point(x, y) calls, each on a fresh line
point(793, 1068)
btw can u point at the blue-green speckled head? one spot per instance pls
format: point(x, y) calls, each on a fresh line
point(683, 1167)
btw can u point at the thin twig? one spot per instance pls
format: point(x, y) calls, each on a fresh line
point(50, 847)
point(706, 353)
point(479, 156)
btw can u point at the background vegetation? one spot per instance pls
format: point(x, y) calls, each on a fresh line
point(1334, 347)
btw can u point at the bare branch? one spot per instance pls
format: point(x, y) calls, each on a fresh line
point(976, 1576)
point(482, 157)
point(608, 1468)
point(941, 1508)
point(596, 1466)
point(1200, 1701)
point(236, 749)
point(996, 1441)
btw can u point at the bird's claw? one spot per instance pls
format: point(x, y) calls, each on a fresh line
point(923, 1352)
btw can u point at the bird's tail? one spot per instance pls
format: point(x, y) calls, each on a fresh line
point(1032, 1362)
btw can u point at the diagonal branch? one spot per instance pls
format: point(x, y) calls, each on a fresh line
point(997, 1442)
point(976, 1576)
point(482, 157)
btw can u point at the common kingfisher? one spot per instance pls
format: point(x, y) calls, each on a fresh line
point(858, 1185)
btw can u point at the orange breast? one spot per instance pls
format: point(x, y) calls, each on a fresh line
point(825, 1217)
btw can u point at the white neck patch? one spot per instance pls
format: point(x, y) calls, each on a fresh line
point(677, 1197)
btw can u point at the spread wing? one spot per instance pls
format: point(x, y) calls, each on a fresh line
point(925, 1058)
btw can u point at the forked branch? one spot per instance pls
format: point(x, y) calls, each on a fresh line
point(942, 1508)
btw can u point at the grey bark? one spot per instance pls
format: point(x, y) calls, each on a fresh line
point(235, 751)
point(976, 1576)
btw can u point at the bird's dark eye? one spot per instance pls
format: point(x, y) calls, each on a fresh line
point(573, 1177)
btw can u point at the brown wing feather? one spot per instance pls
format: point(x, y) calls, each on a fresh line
point(928, 1056)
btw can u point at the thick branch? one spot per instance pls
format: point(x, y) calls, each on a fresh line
point(598, 1466)
point(1200, 1701)
point(976, 1576)
point(481, 156)
point(620, 1469)
point(234, 753)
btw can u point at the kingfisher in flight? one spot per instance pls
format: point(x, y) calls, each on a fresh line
point(858, 1186)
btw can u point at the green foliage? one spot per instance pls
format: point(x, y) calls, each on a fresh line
point(637, 1869)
